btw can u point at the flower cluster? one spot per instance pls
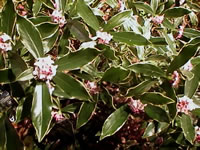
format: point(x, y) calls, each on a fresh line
point(92, 87)
point(136, 106)
point(180, 32)
point(44, 69)
point(58, 17)
point(186, 105)
point(175, 79)
point(5, 43)
point(104, 37)
point(197, 131)
point(57, 116)
point(22, 9)
point(157, 19)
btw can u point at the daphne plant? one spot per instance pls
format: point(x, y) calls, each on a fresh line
point(111, 74)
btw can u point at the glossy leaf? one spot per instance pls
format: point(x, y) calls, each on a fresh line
point(130, 38)
point(141, 5)
point(140, 88)
point(47, 30)
point(187, 127)
point(86, 13)
point(6, 76)
point(71, 87)
point(191, 85)
point(41, 110)
point(156, 113)
point(191, 33)
point(185, 54)
point(149, 131)
point(176, 12)
point(12, 137)
point(36, 7)
point(30, 37)
point(71, 108)
point(147, 69)
point(61, 5)
point(17, 63)
point(75, 60)
point(156, 98)
point(158, 41)
point(85, 113)
point(25, 75)
point(114, 122)
point(78, 30)
point(112, 3)
point(8, 16)
point(115, 74)
point(117, 20)
point(154, 5)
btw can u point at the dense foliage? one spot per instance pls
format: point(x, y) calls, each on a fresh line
point(99, 74)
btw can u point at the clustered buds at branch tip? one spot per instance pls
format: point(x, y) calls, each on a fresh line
point(5, 43)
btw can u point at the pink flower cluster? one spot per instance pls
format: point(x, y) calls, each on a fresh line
point(157, 19)
point(104, 37)
point(5, 43)
point(92, 87)
point(44, 69)
point(175, 79)
point(58, 17)
point(180, 32)
point(197, 131)
point(57, 116)
point(136, 106)
point(185, 105)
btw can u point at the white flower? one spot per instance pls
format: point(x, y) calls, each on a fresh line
point(92, 87)
point(197, 132)
point(188, 66)
point(5, 43)
point(185, 104)
point(157, 19)
point(58, 17)
point(104, 36)
point(44, 68)
point(180, 32)
point(136, 106)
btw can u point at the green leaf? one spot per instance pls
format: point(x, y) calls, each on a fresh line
point(30, 37)
point(115, 74)
point(117, 20)
point(144, 6)
point(78, 30)
point(8, 16)
point(50, 42)
point(71, 87)
point(156, 113)
point(87, 15)
point(114, 122)
point(158, 41)
point(191, 85)
point(130, 38)
point(61, 5)
point(112, 3)
point(184, 55)
point(6, 76)
point(156, 98)
point(75, 60)
point(17, 63)
point(191, 33)
point(40, 20)
point(154, 5)
point(36, 7)
point(41, 110)
point(147, 69)
point(71, 108)
point(85, 113)
point(47, 30)
point(25, 75)
point(12, 137)
point(140, 88)
point(2, 133)
point(176, 12)
point(149, 131)
point(187, 127)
